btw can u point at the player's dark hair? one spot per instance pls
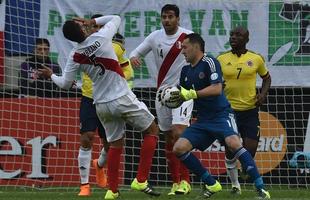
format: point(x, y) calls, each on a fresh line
point(42, 41)
point(172, 7)
point(118, 38)
point(195, 38)
point(73, 32)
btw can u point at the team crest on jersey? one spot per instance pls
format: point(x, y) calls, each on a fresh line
point(178, 44)
point(249, 63)
point(185, 78)
point(201, 75)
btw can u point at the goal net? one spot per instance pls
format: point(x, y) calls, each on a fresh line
point(39, 130)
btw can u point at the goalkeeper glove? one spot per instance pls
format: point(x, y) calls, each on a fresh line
point(188, 94)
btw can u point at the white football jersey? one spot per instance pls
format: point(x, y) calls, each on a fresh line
point(160, 44)
point(95, 57)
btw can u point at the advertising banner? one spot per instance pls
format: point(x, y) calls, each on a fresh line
point(278, 30)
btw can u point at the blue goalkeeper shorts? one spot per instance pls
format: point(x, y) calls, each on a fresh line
point(89, 120)
point(203, 133)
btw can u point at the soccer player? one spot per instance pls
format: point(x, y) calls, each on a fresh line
point(201, 80)
point(115, 103)
point(239, 67)
point(89, 120)
point(166, 47)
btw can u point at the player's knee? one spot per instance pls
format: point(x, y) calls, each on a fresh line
point(117, 143)
point(152, 129)
point(177, 130)
point(181, 146)
point(87, 139)
point(178, 150)
point(233, 143)
point(169, 137)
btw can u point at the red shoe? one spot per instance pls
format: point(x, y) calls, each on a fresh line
point(84, 190)
point(101, 176)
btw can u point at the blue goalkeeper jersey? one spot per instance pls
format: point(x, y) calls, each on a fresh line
point(206, 72)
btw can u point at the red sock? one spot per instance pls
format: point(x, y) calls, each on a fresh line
point(146, 156)
point(184, 173)
point(173, 164)
point(114, 157)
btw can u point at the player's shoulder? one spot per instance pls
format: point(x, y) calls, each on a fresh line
point(210, 62)
point(118, 46)
point(184, 30)
point(224, 54)
point(156, 33)
point(208, 59)
point(256, 55)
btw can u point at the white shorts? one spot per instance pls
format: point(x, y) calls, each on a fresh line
point(167, 117)
point(126, 109)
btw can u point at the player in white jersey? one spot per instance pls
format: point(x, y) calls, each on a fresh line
point(115, 102)
point(166, 47)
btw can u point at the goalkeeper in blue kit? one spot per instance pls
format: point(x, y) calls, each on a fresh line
point(201, 80)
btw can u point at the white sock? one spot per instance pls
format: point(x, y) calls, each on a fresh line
point(84, 159)
point(232, 171)
point(102, 158)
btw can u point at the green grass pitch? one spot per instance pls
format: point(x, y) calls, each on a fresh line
point(98, 194)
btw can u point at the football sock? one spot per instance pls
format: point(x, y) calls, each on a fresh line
point(249, 165)
point(102, 158)
point(192, 163)
point(232, 171)
point(84, 159)
point(146, 156)
point(184, 173)
point(173, 163)
point(114, 157)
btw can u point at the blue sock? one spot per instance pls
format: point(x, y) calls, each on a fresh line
point(192, 163)
point(207, 178)
point(249, 165)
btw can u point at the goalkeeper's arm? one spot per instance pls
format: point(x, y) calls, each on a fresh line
point(212, 90)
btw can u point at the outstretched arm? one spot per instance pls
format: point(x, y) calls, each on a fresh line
point(143, 49)
point(211, 90)
point(65, 81)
